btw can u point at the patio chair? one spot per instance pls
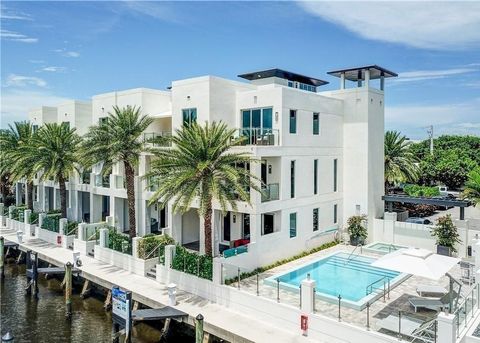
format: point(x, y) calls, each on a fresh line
point(431, 303)
point(410, 327)
point(435, 290)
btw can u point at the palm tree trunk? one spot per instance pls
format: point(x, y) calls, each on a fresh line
point(130, 184)
point(207, 225)
point(30, 194)
point(63, 196)
point(5, 188)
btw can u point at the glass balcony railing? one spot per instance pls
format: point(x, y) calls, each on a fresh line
point(158, 139)
point(258, 136)
point(102, 181)
point(119, 182)
point(270, 192)
point(85, 178)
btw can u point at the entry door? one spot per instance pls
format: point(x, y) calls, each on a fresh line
point(264, 172)
point(163, 217)
point(246, 225)
point(226, 227)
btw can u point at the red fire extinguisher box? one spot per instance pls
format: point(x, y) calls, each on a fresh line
point(304, 322)
point(59, 240)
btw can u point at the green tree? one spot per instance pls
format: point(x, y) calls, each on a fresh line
point(200, 165)
point(16, 165)
point(446, 233)
point(118, 141)
point(472, 187)
point(400, 163)
point(54, 149)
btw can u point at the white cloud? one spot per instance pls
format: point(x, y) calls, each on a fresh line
point(154, 9)
point(64, 52)
point(16, 103)
point(458, 118)
point(9, 14)
point(36, 61)
point(14, 80)
point(54, 69)
point(16, 37)
point(421, 24)
point(418, 75)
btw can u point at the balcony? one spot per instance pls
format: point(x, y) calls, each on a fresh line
point(158, 139)
point(102, 181)
point(85, 178)
point(270, 192)
point(119, 182)
point(258, 136)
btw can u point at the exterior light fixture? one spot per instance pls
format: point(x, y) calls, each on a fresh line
point(276, 117)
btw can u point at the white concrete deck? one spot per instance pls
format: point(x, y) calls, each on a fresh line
point(220, 321)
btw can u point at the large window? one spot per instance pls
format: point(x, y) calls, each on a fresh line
point(293, 121)
point(335, 214)
point(189, 115)
point(335, 169)
point(293, 225)
point(316, 123)
point(292, 179)
point(315, 176)
point(256, 123)
point(268, 223)
point(315, 219)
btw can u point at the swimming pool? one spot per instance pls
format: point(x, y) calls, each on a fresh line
point(341, 274)
point(383, 248)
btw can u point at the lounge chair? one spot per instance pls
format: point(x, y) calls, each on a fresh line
point(439, 291)
point(410, 327)
point(432, 304)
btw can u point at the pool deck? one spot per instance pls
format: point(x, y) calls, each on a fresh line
point(398, 299)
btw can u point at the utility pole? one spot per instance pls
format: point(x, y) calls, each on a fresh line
point(430, 136)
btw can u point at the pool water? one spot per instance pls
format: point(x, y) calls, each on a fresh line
point(383, 248)
point(340, 274)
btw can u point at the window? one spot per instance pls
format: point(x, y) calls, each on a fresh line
point(103, 120)
point(335, 162)
point(335, 207)
point(315, 176)
point(267, 223)
point(315, 219)
point(66, 124)
point(35, 128)
point(189, 115)
point(292, 179)
point(293, 121)
point(316, 123)
point(293, 225)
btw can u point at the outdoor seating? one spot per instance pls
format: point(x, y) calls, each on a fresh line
point(435, 290)
point(431, 303)
point(410, 327)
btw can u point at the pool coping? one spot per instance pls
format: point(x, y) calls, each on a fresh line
point(356, 305)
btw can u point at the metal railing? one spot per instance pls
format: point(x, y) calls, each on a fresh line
point(465, 312)
point(386, 287)
point(351, 256)
point(270, 192)
point(258, 136)
point(158, 139)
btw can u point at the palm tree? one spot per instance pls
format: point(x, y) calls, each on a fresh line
point(55, 149)
point(16, 165)
point(400, 162)
point(200, 165)
point(472, 187)
point(118, 141)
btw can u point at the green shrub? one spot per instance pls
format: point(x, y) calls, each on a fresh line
point(72, 228)
point(446, 232)
point(34, 218)
point(18, 213)
point(356, 229)
point(56, 211)
point(421, 191)
point(193, 263)
point(119, 242)
point(150, 242)
point(280, 262)
point(51, 222)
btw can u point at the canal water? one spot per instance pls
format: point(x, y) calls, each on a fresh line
point(43, 320)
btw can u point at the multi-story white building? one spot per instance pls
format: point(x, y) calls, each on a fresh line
point(320, 153)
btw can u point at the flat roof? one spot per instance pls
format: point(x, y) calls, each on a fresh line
point(426, 201)
point(283, 74)
point(358, 73)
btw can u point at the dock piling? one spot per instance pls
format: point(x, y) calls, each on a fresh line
point(68, 289)
point(108, 301)
point(35, 274)
point(85, 290)
point(28, 262)
point(199, 329)
point(2, 257)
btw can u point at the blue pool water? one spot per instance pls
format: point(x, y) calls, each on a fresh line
point(336, 275)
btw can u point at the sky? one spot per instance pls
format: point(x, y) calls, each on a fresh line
point(54, 51)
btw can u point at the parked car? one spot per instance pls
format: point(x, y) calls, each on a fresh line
point(418, 220)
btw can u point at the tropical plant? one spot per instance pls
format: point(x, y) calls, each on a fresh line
point(201, 166)
point(400, 163)
point(421, 191)
point(472, 187)
point(446, 233)
point(118, 141)
point(149, 243)
point(356, 229)
point(55, 149)
point(16, 162)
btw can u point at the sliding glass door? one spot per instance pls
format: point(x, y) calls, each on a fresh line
point(256, 123)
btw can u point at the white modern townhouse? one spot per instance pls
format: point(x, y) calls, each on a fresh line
point(318, 153)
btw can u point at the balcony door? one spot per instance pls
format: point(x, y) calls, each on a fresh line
point(256, 122)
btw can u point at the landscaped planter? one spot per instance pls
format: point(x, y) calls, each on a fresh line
point(54, 237)
point(357, 241)
point(443, 250)
point(128, 262)
point(84, 247)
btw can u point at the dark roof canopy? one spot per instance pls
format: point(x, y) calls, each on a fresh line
point(426, 201)
point(355, 74)
point(283, 74)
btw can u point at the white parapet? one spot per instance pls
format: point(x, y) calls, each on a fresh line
point(307, 295)
point(447, 328)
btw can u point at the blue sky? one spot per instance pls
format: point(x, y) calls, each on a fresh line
point(52, 51)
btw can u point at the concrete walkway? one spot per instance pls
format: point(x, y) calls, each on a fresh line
point(219, 321)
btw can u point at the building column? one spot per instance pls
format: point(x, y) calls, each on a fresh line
point(342, 81)
point(18, 194)
point(367, 78)
point(41, 196)
point(447, 328)
point(382, 81)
